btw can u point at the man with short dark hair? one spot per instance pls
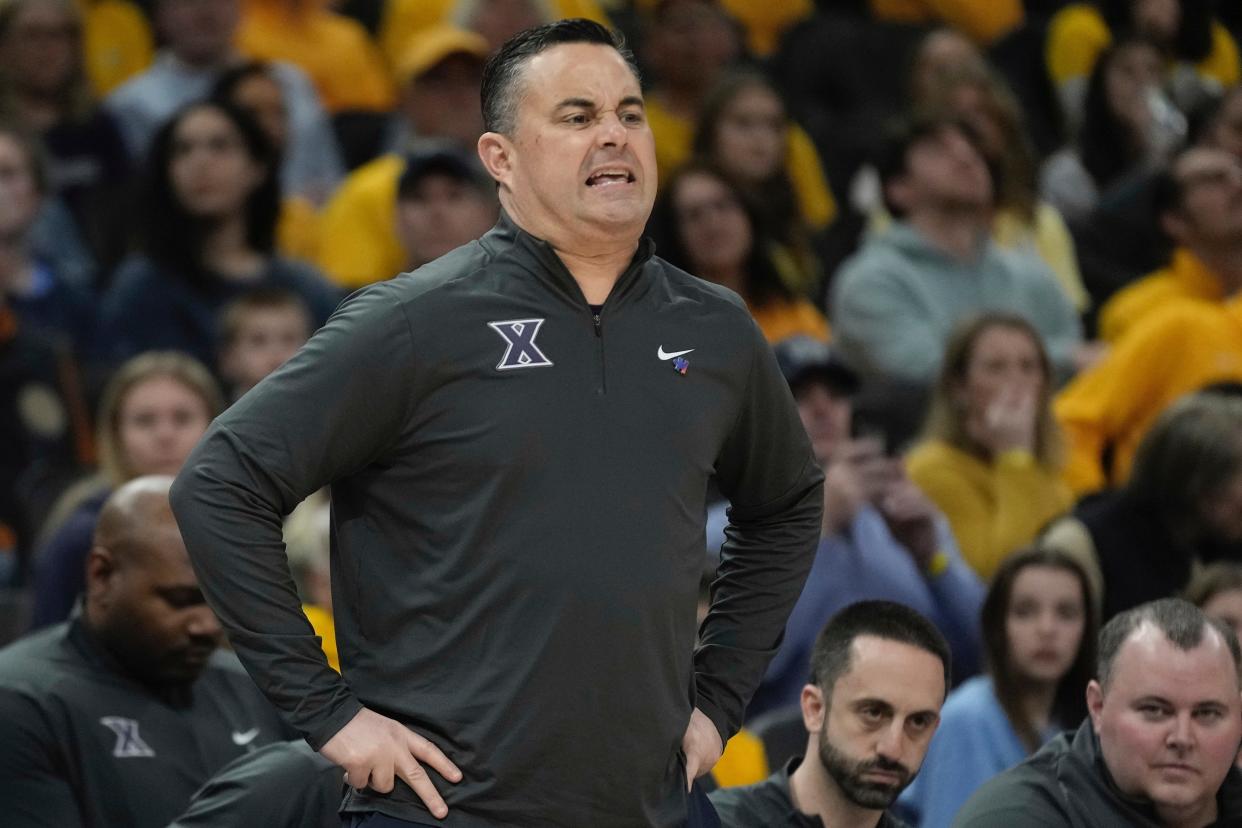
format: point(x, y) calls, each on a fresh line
point(519, 439)
point(117, 716)
point(879, 675)
point(897, 299)
point(1158, 748)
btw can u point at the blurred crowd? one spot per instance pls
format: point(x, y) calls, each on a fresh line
point(997, 247)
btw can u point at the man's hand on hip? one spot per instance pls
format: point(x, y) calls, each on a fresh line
point(701, 745)
point(374, 750)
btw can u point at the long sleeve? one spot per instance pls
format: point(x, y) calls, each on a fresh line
point(993, 508)
point(34, 790)
point(775, 490)
point(327, 413)
point(958, 593)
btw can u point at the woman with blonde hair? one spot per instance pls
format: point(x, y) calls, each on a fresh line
point(152, 413)
point(991, 451)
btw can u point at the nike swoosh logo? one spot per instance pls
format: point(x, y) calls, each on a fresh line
point(245, 738)
point(663, 354)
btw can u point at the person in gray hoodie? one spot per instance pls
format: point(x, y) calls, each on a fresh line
point(894, 302)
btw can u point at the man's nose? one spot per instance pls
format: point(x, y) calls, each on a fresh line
point(1181, 734)
point(891, 741)
point(203, 623)
point(611, 132)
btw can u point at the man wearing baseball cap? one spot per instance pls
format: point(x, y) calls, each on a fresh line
point(882, 538)
point(439, 76)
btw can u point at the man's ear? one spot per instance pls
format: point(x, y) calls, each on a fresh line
point(897, 192)
point(1095, 703)
point(496, 153)
point(813, 708)
point(101, 572)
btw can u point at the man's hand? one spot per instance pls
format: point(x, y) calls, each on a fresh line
point(374, 749)
point(911, 518)
point(856, 475)
point(701, 745)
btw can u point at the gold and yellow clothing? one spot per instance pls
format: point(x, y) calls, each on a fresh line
point(1186, 277)
point(325, 627)
point(983, 22)
point(782, 319)
point(1049, 238)
point(116, 43)
point(1077, 34)
point(403, 18)
point(674, 137)
point(358, 241)
point(994, 507)
point(1172, 352)
point(766, 21)
point(334, 51)
point(744, 761)
point(297, 229)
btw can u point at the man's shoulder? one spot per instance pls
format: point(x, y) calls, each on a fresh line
point(760, 805)
point(1024, 796)
point(35, 661)
point(686, 286)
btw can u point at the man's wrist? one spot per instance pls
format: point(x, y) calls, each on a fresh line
point(937, 564)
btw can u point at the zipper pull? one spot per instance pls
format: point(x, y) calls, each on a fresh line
point(598, 332)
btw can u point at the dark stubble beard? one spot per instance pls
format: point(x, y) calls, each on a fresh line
point(848, 774)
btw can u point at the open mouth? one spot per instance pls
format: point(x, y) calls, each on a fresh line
point(608, 177)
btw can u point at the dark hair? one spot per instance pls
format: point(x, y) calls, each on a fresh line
point(232, 316)
point(763, 281)
point(1182, 623)
point(776, 194)
point(1212, 580)
point(1069, 703)
point(901, 135)
point(31, 147)
point(1190, 454)
point(888, 620)
point(172, 237)
point(500, 90)
point(1107, 145)
point(1193, 39)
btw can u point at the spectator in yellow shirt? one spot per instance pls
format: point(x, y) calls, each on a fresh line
point(443, 202)
point(1203, 56)
point(709, 226)
point(984, 22)
point(1199, 201)
point(336, 52)
point(990, 457)
point(440, 76)
point(1107, 409)
point(116, 42)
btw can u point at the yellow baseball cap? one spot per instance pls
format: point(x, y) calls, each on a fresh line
point(428, 47)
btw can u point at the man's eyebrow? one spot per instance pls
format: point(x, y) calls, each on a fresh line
point(576, 103)
point(633, 100)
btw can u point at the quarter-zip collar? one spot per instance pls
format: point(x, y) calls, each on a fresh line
point(539, 258)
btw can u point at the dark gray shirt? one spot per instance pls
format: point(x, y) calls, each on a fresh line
point(1067, 785)
point(768, 804)
point(83, 745)
point(518, 499)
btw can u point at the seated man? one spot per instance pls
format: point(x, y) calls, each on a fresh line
point(1199, 200)
point(283, 785)
point(117, 716)
point(896, 300)
point(882, 538)
point(878, 678)
point(1165, 719)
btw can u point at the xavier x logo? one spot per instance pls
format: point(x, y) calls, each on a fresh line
point(128, 743)
point(522, 351)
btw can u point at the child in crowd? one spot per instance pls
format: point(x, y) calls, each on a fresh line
point(259, 331)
